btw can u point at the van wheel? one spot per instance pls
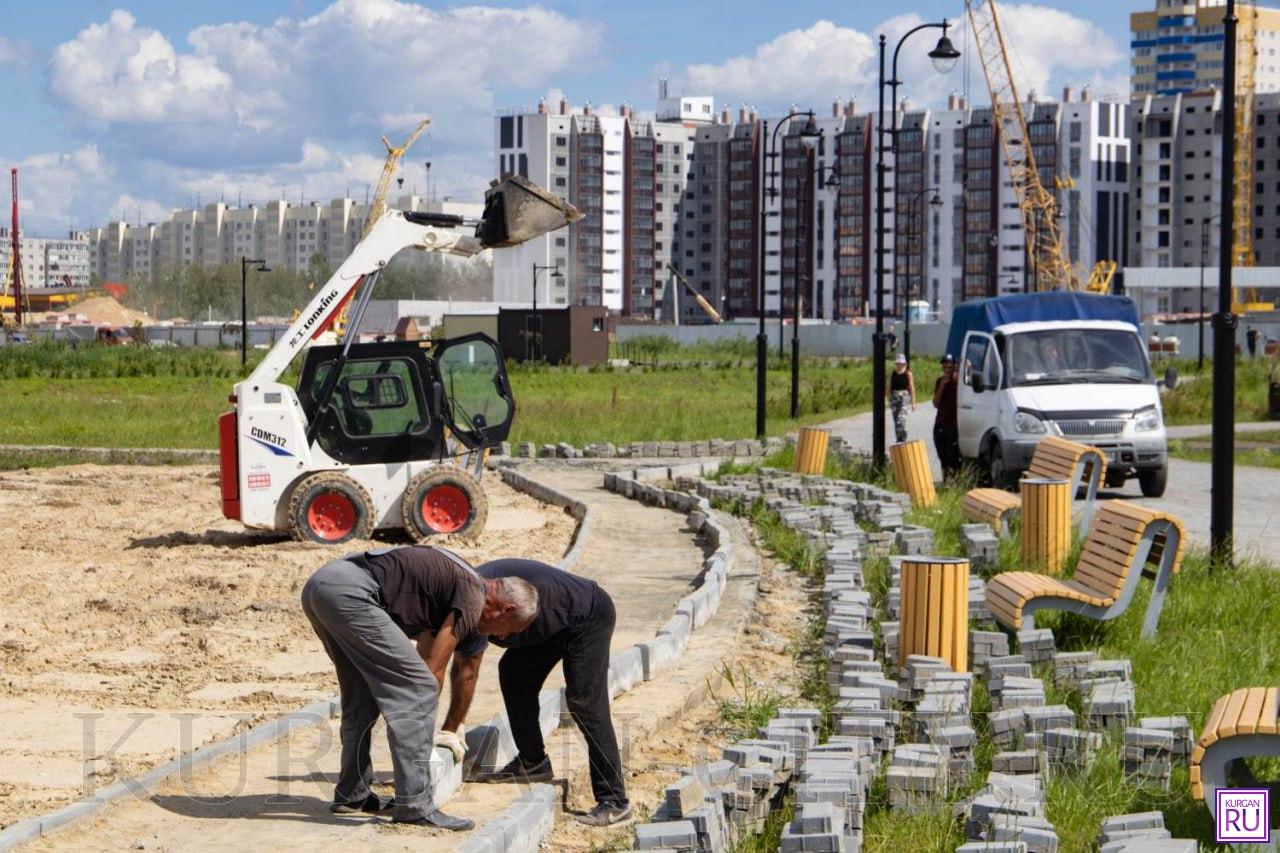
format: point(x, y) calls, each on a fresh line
point(444, 501)
point(330, 508)
point(1153, 482)
point(996, 473)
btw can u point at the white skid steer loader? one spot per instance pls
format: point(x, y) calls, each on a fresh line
point(379, 435)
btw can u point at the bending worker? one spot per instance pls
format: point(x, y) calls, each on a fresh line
point(365, 608)
point(574, 626)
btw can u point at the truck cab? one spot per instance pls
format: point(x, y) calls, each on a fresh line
point(1086, 380)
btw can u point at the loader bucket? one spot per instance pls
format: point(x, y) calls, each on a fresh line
point(517, 210)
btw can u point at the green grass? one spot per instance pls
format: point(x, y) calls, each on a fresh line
point(92, 396)
point(13, 460)
point(1192, 401)
point(1259, 457)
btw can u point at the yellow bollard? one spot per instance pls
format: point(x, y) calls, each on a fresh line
point(811, 451)
point(935, 610)
point(911, 472)
point(1046, 524)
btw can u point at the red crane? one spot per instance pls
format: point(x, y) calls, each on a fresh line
point(17, 258)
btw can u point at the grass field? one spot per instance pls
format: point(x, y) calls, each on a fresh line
point(1192, 401)
point(171, 398)
point(1196, 450)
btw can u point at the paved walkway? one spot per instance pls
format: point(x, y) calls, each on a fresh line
point(275, 798)
point(1257, 504)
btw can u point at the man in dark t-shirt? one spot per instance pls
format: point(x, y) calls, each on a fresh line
point(367, 608)
point(946, 427)
point(574, 627)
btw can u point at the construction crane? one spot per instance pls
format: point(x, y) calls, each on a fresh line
point(1243, 153)
point(697, 297)
point(1038, 206)
point(16, 259)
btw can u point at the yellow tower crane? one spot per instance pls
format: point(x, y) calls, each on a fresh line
point(1046, 246)
point(1242, 254)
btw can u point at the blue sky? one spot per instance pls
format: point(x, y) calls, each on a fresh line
point(132, 107)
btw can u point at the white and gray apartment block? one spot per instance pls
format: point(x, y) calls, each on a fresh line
point(47, 261)
point(286, 235)
point(1176, 48)
point(711, 179)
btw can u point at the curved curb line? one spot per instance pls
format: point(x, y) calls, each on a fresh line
point(447, 780)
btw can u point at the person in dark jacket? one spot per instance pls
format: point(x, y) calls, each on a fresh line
point(573, 628)
point(946, 427)
point(367, 609)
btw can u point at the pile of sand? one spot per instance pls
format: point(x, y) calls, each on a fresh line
point(106, 311)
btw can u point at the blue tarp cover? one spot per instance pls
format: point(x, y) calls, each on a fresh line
point(983, 315)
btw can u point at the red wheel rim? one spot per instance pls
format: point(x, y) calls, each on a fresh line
point(446, 508)
point(331, 516)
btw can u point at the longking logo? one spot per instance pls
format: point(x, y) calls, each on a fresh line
point(1242, 815)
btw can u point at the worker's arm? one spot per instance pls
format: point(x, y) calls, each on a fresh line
point(911, 386)
point(462, 687)
point(437, 650)
point(937, 392)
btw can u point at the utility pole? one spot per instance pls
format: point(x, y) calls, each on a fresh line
point(1221, 521)
point(17, 256)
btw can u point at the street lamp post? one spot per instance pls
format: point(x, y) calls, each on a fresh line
point(944, 56)
point(537, 268)
point(803, 241)
point(762, 340)
point(916, 199)
point(259, 265)
point(809, 131)
point(1222, 490)
point(1204, 262)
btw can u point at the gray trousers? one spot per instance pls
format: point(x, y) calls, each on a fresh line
point(379, 672)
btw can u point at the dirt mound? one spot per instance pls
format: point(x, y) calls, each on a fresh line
point(106, 311)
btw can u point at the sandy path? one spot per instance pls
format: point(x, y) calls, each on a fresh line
point(136, 623)
point(275, 798)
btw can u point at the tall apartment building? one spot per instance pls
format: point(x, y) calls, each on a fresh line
point(627, 174)
point(46, 261)
point(286, 235)
point(1177, 47)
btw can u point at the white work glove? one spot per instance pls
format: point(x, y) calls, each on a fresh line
point(455, 742)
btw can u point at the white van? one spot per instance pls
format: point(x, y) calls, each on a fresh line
point(1087, 380)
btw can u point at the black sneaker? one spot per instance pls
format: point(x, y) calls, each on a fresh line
point(605, 813)
point(371, 804)
point(516, 771)
point(438, 820)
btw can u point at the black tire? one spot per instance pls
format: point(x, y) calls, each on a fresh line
point(1154, 481)
point(330, 508)
point(993, 467)
point(458, 507)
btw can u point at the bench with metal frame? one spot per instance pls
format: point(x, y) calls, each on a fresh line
point(1241, 724)
point(1054, 459)
point(1125, 542)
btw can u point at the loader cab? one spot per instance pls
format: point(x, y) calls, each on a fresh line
point(393, 401)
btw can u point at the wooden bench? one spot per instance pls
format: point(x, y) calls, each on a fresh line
point(1241, 724)
point(1054, 459)
point(1124, 542)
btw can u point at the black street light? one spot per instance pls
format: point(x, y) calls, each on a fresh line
point(537, 268)
point(762, 340)
point(802, 242)
point(259, 265)
point(916, 199)
point(1204, 262)
point(944, 56)
point(1222, 489)
point(809, 131)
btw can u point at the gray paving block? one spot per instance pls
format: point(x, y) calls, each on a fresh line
point(676, 835)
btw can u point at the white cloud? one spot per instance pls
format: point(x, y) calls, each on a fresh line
point(811, 66)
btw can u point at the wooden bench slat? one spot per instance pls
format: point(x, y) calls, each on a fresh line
point(1267, 722)
point(1231, 717)
point(1209, 735)
point(1252, 711)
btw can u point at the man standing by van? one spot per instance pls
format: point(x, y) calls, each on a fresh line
point(946, 428)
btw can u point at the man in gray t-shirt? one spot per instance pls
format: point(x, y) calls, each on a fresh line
point(367, 608)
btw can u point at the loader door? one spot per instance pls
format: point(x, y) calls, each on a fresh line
point(478, 406)
point(380, 408)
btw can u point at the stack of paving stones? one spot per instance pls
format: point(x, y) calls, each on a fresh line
point(1153, 746)
point(1008, 813)
point(713, 806)
point(980, 545)
point(985, 645)
point(1105, 686)
point(648, 449)
point(1143, 832)
point(1036, 645)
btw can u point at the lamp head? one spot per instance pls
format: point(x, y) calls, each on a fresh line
point(936, 201)
point(944, 54)
point(810, 128)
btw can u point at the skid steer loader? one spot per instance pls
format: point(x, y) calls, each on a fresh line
point(379, 435)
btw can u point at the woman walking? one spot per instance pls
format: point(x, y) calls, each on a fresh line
point(902, 395)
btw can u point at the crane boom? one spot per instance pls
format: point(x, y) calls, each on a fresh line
point(697, 297)
point(394, 154)
point(1036, 203)
point(17, 257)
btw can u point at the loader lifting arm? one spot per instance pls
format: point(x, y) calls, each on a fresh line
point(697, 297)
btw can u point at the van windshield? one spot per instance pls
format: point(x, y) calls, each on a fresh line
point(1057, 356)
